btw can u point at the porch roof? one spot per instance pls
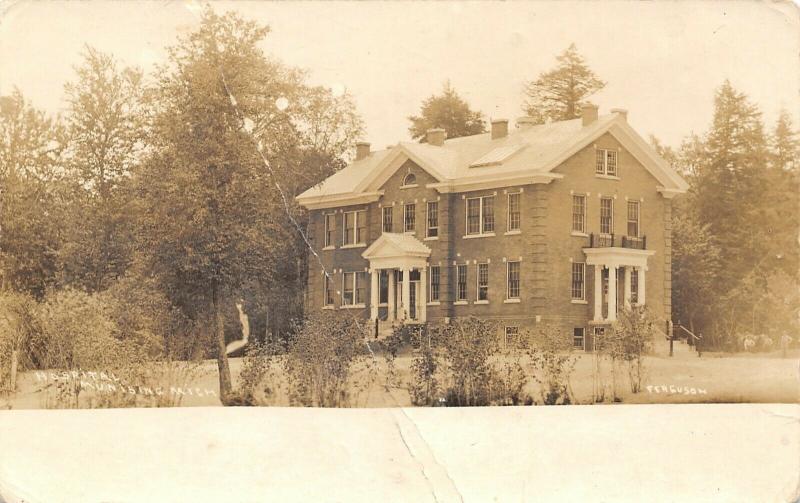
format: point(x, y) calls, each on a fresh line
point(396, 250)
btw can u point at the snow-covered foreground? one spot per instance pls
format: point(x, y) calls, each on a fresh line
point(714, 378)
point(731, 453)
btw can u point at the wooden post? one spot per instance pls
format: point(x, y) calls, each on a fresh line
point(14, 355)
point(669, 334)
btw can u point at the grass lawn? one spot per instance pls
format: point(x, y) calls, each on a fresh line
point(723, 378)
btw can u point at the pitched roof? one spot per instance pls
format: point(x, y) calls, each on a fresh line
point(532, 152)
point(393, 244)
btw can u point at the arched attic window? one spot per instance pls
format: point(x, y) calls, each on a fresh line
point(410, 179)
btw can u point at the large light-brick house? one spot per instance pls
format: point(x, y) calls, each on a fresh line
point(560, 223)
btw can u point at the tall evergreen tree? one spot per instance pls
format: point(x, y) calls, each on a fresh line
point(447, 111)
point(558, 94)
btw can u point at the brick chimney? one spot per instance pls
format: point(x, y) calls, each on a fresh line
point(622, 112)
point(435, 136)
point(525, 122)
point(588, 113)
point(499, 128)
point(362, 150)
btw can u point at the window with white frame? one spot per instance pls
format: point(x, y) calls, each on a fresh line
point(578, 281)
point(514, 212)
point(355, 227)
point(387, 216)
point(480, 215)
point(606, 215)
point(606, 162)
point(330, 227)
point(483, 281)
point(410, 179)
point(579, 213)
point(579, 337)
point(635, 286)
point(461, 272)
point(512, 280)
point(435, 286)
point(511, 336)
point(409, 217)
point(433, 220)
point(328, 300)
point(633, 219)
point(353, 285)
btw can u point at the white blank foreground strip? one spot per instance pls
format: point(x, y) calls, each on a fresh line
point(731, 453)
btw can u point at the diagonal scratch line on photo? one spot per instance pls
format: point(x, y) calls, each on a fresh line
point(303, 234)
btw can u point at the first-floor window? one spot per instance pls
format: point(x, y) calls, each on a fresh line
point(513, 280)
point(483, 281)
point(353, 284)
point(410, 218)
point(635, 286)
point(462, 282)
point(433, 219)
point(328, 290)
point(512, 336)
point(578, 281)
point(578, 336)
point(387, 218)
point(435, 284)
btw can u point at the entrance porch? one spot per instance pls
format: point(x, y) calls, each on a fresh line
point(614, 265)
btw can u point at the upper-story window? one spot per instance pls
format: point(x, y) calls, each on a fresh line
point(514, 212)
point(355, 227)
point(330, 227)
point(387, 216)
point(633, 219)
point(579, 213)
point(433, 220)
point(409, 217)
point(606, 215)
point(606, 162)
point(480, 215)
point(410, 179)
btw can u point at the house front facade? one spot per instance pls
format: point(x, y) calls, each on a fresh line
point(562, 223)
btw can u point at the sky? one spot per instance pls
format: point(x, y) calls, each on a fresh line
point(662, 60)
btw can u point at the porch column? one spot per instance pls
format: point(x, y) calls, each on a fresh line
point(598, 292)
point(627, 287)
point(612, 293)
point(374, 291)
point(640, 293)
point(406, 311)
point(392, 294)
point(423, 294)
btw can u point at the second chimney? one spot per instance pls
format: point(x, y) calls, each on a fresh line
point(588, 113)
point(499, 128)
point(362, 150)
point(435, 137)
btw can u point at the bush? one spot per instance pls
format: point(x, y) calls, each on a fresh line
point(18, 323)
point(323, 357)
point(631, 339)
point(553, 364)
